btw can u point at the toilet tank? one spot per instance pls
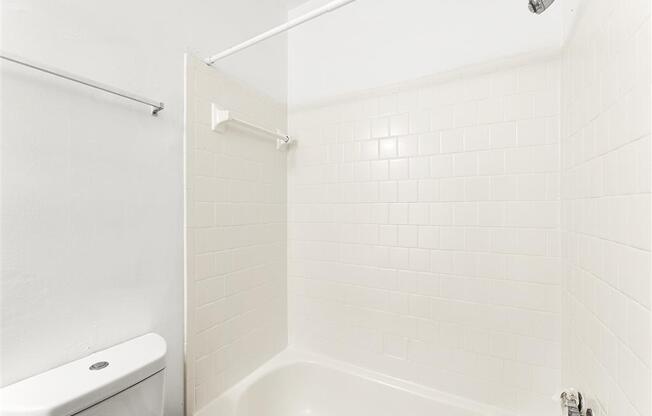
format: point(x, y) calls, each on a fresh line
point(125, 380)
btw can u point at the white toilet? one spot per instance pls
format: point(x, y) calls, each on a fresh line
point(125, 380)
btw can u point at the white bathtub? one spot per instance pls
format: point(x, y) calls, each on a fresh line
point(301, 384)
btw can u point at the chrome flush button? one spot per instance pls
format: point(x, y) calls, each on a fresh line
point(99, 365)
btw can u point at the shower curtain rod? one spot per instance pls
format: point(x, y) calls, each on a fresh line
point(332, 6)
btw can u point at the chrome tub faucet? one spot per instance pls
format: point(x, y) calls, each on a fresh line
point(573, 401)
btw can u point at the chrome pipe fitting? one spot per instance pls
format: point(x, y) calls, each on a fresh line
point(539, 6)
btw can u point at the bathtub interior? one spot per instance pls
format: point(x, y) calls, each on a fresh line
point(302, 388)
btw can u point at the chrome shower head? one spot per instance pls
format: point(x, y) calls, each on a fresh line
point(539, 6)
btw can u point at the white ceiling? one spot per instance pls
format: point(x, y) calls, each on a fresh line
point(372, 43)
point(291, 4)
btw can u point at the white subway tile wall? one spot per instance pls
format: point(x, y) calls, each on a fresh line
point(423, 234)
point(236, 313)
point(606, 207)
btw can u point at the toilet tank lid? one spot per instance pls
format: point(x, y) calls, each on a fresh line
point(80, 384)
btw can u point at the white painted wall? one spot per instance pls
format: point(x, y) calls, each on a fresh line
point(236, 310)
point(606, 177)
point(423, 233)
point(92, 185)
point(372, 43)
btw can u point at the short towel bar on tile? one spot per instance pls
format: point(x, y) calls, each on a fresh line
point(156, 105)
point(221, 117)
